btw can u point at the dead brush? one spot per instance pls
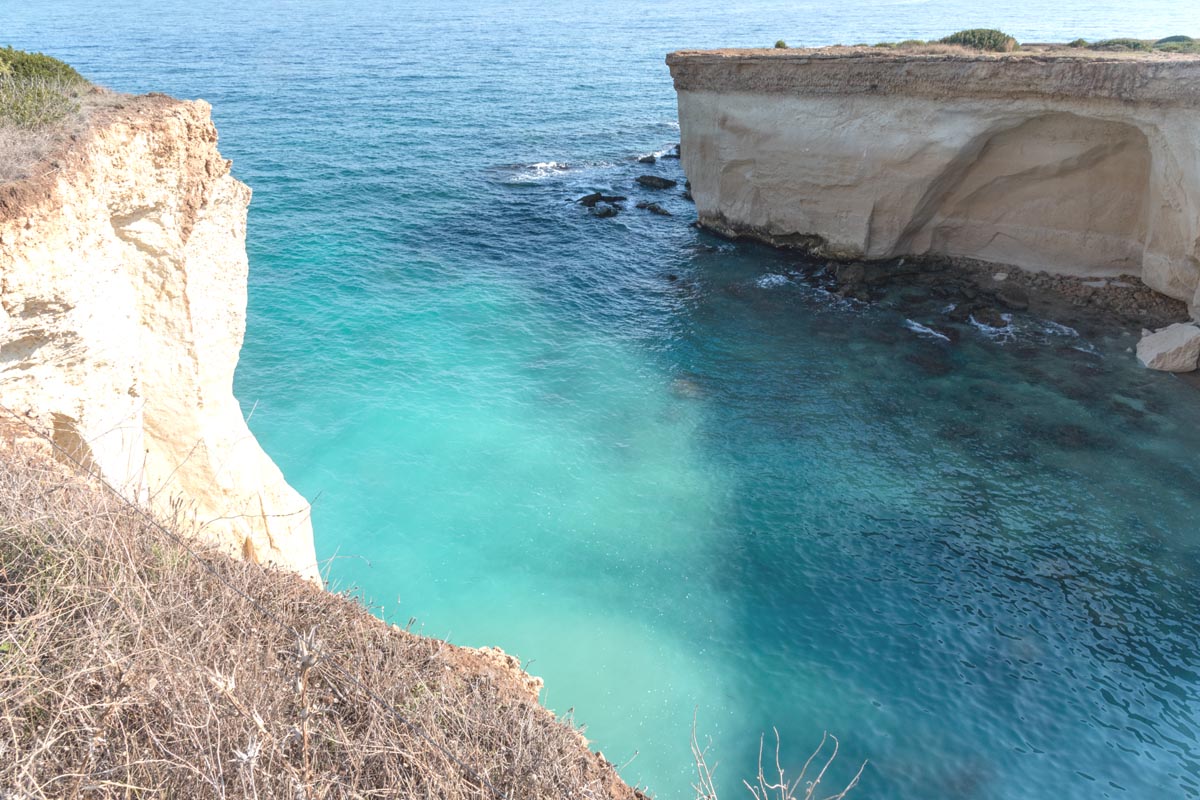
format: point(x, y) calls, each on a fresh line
point(804, 786)
point(132, 669)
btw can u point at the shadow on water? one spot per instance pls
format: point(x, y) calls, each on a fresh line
point(668, 470)
point(939, 544)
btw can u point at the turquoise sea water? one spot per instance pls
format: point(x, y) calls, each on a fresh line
point(728, 493)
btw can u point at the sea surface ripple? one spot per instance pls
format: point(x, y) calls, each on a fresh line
point(655, 465)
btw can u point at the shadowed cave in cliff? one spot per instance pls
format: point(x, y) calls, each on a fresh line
point(1057, 189)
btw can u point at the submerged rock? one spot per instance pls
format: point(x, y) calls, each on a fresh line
point(604, 211)
point(852, 274)
point(655, 182)
point(654, 208)
point(1175, 348)
point(674, 152)
point(1014, 297)
point(989, 317)
point(590, 200)
point(647, 160)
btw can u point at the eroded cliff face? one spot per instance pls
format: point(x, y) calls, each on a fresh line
point(123, 295)
point(1077, 165)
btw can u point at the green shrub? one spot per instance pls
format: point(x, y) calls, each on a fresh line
point(36, 90)
point(1175, 40)
point(1123, 44)
point(1078, 43)
point(983, 39)
point(781, 45)
point(19, 64)
point(913, 43)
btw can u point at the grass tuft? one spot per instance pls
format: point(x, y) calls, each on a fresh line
point(37, 90)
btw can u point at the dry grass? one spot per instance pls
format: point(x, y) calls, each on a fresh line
point(27, 151)
point(129, 669)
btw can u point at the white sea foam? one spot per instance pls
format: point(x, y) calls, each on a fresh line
point(771, 280)
point(1057, 329)
point(1000, 334)
point(532, 173)
point(922, 330)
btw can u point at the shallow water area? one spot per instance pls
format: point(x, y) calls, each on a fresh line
point(668, 471)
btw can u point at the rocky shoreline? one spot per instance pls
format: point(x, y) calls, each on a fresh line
point(985, 291)
point(947, 295)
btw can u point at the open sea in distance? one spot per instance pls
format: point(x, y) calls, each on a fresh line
point(727, 494)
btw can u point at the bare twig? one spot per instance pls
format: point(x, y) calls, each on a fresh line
point(777, 787)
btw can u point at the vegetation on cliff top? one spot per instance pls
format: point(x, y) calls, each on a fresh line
point(37, 90)
point(20, 64)
point(1170, 44)
point(983, 39)
point(990, 40)
point(42, 101)
point(973, 39)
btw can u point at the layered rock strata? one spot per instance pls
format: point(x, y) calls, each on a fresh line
point(1086, 166)
point(122, 310)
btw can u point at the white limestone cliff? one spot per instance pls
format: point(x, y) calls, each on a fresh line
point(1082, 165)
point(123, 294)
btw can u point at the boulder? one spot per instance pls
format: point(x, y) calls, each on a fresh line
point(674, 152)
point(603, 211)
point(647, 160)
point(1175, 348)
point(655, 182)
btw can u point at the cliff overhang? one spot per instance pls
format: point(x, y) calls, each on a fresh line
point(1049, 159)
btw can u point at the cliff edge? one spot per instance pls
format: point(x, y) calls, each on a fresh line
point(1072, 162)
point(122, 311)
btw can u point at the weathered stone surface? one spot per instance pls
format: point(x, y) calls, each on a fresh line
point(123, 287)
point(1175, 348)
point(1076, 165)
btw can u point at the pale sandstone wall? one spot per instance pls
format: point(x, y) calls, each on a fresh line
point(122, 311)
point(1079, 166)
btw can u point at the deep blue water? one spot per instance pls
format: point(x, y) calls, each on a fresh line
point(727, 494)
